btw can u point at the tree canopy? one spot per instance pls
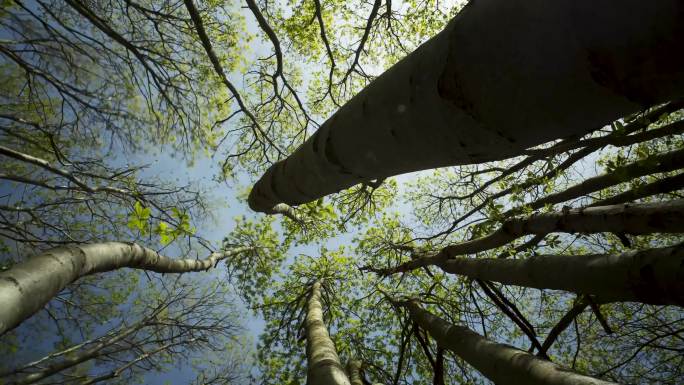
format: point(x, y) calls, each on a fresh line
point(540, 242)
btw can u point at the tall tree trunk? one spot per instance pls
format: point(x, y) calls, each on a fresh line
point(503, 364)
point(638, 218)
point(438, 378)
point(489, 86)
point(324, 366)
point(653, 276)
point(655, 164)
point(354, 372)
point(27, 286)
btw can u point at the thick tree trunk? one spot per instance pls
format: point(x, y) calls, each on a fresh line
point(503, 364)
point(489, 86)
point(27, 286)
point(324, 366)
point(653, 276)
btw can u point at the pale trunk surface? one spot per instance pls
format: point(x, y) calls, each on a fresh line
point(27, 286)
point(324, 366)
point(661, 163)
point(354, 372)
point(654, 276)
point(286, 211)
point(489, 86)
point(637, 218)
point(661, 186)
point(503, 364)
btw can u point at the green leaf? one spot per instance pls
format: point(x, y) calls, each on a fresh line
point(138, 220)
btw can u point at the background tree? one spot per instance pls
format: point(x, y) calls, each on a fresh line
point(88, 89)
point(177, 322)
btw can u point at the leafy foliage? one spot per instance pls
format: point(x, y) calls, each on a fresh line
point(92, 91)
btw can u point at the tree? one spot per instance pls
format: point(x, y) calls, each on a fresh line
point(323, 366)
point(499, 363)
point(540, 178)
point(86, 89)
point(26, 287)
point(177, 321)
point(458, 100)
point(560, 250)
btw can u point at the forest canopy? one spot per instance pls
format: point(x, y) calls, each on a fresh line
point(331, 192)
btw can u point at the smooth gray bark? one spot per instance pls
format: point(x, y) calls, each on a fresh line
point(503, 364)
point(660, 163)
point(324, 367)
point(653, 276)
point(661, 186)
point(488, 87)
point(639, 218)
point(286, 211)
point(354, 372)
point(27, 286)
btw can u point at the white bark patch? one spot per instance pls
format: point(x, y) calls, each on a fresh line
point(324, 366)
point(26, 287)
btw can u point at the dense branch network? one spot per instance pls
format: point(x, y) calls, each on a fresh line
point(137, 74)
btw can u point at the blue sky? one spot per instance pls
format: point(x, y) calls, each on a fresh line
point(165, 166)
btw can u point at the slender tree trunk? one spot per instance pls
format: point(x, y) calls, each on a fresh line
point(564, 322)
point(651, 276)
point(503, 364)
point(662, 186)
point(354, 372)
point(27, 286)
point(324, 366)
point(641, 218)
point(660, 163)
point(489, 86)
point(438, 378)
point(92, 352)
